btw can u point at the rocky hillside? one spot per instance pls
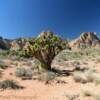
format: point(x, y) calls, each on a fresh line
point(20, 43)
point(4, 44)
point(86, 40)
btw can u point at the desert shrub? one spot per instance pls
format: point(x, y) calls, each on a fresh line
point(22, 72)
point(96, 78)
point(92, 76)
point(97, 96)
point(3, 66)
point(47, 77)
point(71, 96)
point(80, 77)
point(36, 64)
point(89, 75)
point(91, 91)
point(9, 84)
point(87, 92)
point(97, 60)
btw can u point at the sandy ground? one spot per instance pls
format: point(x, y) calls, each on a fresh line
point(36, 90)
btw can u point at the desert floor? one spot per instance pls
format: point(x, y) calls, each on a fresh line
point(67, 89)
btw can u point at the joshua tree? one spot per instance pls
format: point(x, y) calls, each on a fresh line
point(45, 47)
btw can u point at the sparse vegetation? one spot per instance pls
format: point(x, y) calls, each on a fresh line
point(71, 96)
point(87, 92)
point(96, 78)
point(3, 66)
point(93, 91)
point(97, 60)
point(80, 77)
point(71, 68)
point(9, 84)
point(36, 64)
point(47, 77)
point(66, 55)
point(22, 72)
point(84, 76)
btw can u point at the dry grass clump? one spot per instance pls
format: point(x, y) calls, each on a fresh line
point(91, 90)
point(89, 74)
point(96, 78)
point(97, 60)
point(80, 77)
point(22, 72)
point(87, 92)
point(47, 77)
point(9, 84)
point(97, 96)
point(84, 76)
point(93, 76)
point(71, 95)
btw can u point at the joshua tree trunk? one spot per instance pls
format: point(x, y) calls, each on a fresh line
point(45, 58)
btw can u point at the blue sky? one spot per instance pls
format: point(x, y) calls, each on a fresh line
point(68, 18)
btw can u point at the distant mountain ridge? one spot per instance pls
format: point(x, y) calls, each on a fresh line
point(19, 43)
point(85, 40)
